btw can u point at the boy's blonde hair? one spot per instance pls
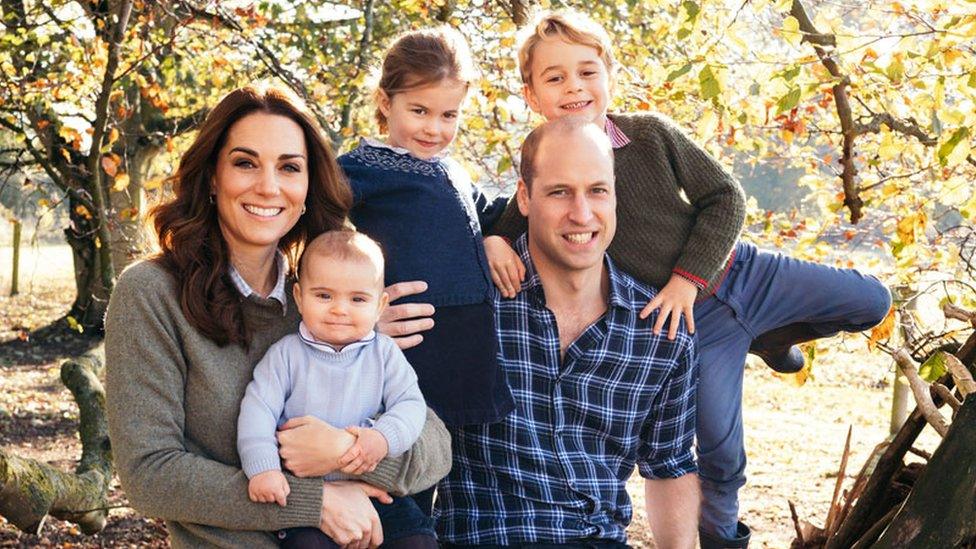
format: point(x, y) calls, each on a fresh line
point(421, 58)
point(344, 245)
point(567, 25)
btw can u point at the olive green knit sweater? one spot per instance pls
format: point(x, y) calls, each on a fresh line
point(173, 397)
point(678, 210)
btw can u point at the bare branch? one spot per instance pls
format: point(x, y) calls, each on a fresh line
point(960, 375)
point(921, 391)
point(821, 42)
point(946, 395)
point(958, 313)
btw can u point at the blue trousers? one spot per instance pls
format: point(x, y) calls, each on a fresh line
point(761, 292)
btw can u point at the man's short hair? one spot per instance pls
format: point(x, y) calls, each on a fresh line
point(565, 125)
point(344, 245)
point(567, 25)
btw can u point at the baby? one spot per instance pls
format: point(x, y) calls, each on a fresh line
point(336, 368)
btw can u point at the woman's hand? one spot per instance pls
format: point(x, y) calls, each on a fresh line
point(310, 447)
point(348, 517)
point(507, 269)
point(403, 322)
point(676, 298)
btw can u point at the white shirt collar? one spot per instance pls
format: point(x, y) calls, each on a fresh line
point(277, 293)
point(316, 343)
point(400, 150)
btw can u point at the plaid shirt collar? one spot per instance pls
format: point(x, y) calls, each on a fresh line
point(621, 290)
point(617, 137)
point(277, 293)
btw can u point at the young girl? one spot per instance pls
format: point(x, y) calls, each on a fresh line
point(423, 209)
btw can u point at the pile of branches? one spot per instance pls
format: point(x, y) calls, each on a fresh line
point(897, 504)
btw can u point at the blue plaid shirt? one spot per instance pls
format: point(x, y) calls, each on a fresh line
point(555, 469)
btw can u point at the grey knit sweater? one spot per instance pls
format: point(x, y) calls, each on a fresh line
point(678, 210)
point(173, 398)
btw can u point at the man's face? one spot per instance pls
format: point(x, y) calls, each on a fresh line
point(572, 205)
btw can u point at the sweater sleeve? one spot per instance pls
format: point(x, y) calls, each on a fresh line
point(426, 463)
point(161, 474)
point(718, 198)
point(511, 223)
point(405, 409)
point(262, 405)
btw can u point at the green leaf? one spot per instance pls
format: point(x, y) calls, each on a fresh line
point(504, 163)
point(673, 75)
point(933, 368)
point(692, 8)
point(708, 83)
point(788, 101)
point(946, 148)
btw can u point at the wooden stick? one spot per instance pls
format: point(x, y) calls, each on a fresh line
point(961, 375)
point(947, 396)
point(958, 313)
point(872, 534)
point(796, 524)
point(832, 515)
point(920, 453)
point(921, 391)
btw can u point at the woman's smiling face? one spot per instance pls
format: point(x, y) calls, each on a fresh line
point(260, 182)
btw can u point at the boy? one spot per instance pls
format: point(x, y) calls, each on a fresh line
point(340, 370)
point(679, 217)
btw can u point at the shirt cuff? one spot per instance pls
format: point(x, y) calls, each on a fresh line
point(672, 467)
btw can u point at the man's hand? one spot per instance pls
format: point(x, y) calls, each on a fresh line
point(370, 447)
point(310, 447)
point(676, 298)
point(507, 269)
point(348, 517)
point(269, 487)
point(403, 322)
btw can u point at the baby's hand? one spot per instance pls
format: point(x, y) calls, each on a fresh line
point(269, 487)
point(507, 270)
point(370, 447)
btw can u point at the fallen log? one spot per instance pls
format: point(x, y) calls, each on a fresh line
point(31, 490)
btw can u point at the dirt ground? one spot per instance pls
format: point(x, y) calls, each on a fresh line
point(795, 435)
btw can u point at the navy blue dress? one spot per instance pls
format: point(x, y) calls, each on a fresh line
point(428, 217)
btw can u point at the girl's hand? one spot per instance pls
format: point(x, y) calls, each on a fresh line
point(675, 299)
point(348, 517)
point(310, 447)
point(370, 447)
point(403, 321)
point(507, 270)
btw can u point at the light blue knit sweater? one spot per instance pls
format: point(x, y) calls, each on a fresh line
point(345, 388)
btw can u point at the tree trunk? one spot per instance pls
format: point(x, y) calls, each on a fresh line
point(941, 510)
point(91, 295)
point(31, 490)
point(15, 270)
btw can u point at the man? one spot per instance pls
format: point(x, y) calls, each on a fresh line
point(596, 391)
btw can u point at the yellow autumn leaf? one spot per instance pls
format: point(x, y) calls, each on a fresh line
point(883, 331)
point(121, 182)
point(153, 183)
point(791, 30)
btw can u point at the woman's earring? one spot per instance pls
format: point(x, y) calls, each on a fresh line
point(303, 210)
point(212, 199)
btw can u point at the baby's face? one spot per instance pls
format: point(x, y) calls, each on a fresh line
point(340, 300)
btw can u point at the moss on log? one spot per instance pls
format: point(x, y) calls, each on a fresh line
point(31, 490)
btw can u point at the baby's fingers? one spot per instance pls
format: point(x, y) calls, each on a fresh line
point(651, 305)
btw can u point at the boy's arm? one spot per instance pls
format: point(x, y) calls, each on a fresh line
point(406, 409)
point(262, 405)
point(511, 224)
point(719, 199)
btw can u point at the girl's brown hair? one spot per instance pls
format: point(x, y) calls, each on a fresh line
point(191, 245)
point(423, 57)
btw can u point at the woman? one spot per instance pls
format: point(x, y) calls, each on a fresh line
point(185, 329)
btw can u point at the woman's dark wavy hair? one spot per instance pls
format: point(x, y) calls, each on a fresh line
point(191, 245)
